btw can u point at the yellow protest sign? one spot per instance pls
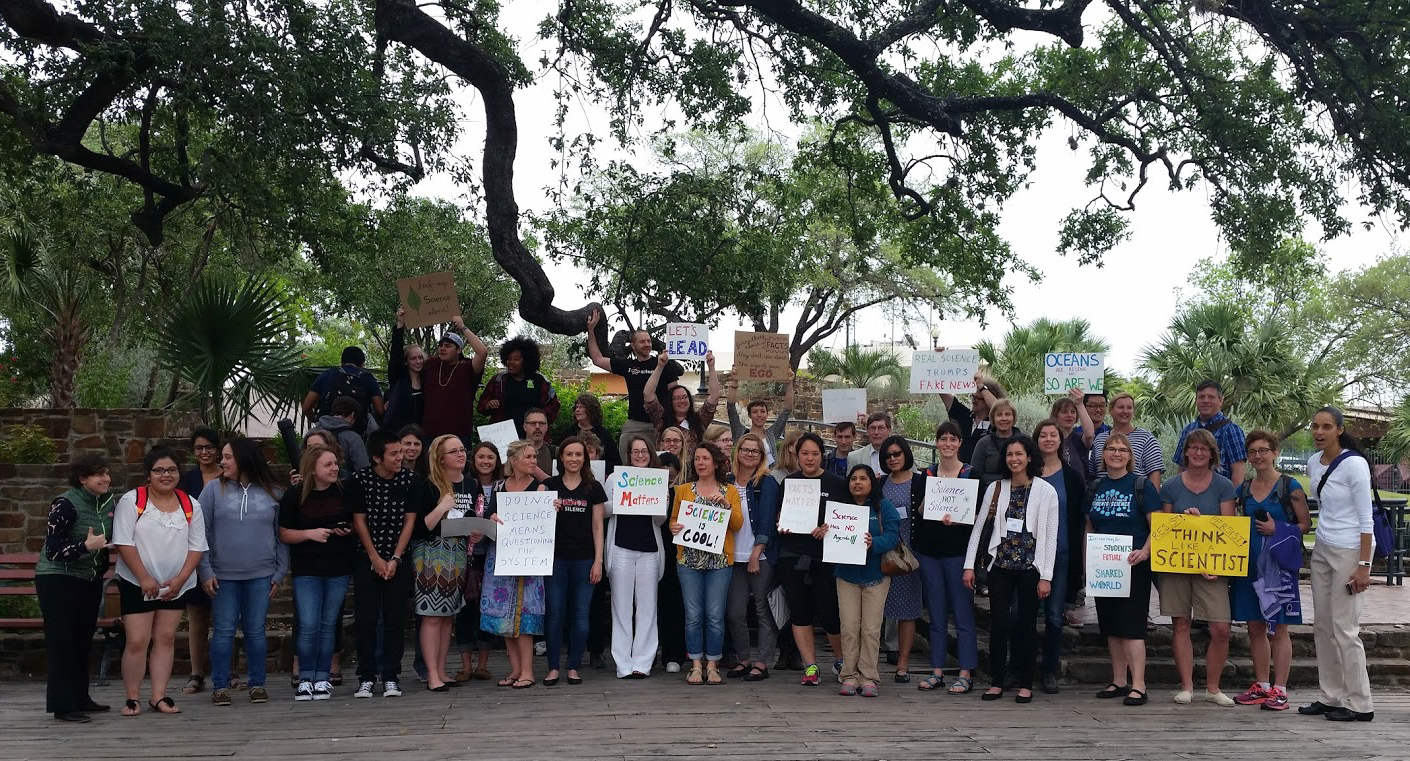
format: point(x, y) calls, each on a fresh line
point(1212, 544)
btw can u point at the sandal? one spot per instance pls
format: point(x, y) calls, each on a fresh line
point(195, 684)
point(131, 708)
point(523, 684)
point(757, 674)
point(903, 676)
point(962, 686)
point(712, 676)
point(1114, 690)
point(929, 683)
point(165, 705)
point(507, 681)
point(737, 670)
point(695, 676)
point(236, 684)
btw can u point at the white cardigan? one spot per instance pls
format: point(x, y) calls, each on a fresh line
point(610, 542)
point(1041, 521)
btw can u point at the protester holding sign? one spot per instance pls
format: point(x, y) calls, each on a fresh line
point(800, 568)
point(577, 556)
point(1076, 427)
point(634, 555)
point(862, 589)
point(1022, 548)
point(519, 387)
point(1278, 507)
point(486, 470)
point(406, 391)
point(988, 458)
point(904, 488)
point(681, 411)
point(1341, 569)
point(752, 573)
point(451, 381)
point(940, 547)
point(1199, 490)
point(758, 411)
point(705, 573)
point(1072, 506)
point(974, 420)
point(441, 562)
point(513, 606)
point(1147, 460)
point(1122, 503)
point(634, 371)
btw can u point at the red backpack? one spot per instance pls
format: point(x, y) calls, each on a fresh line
point(181, 496)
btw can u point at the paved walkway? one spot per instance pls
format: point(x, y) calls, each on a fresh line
point(662, 718)
point(1384, 605)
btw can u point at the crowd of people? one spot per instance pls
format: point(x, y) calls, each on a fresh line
point(379, 476)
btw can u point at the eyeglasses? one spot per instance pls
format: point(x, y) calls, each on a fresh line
point(457, 450)
point(1260, 450)
point(1120, 450)
point(165, 471)
point(743, 450)
point(204, 448)
point(1196, 448)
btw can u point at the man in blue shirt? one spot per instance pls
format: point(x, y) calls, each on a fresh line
point(836, 462)
point(1209, 403)
point(348, 380)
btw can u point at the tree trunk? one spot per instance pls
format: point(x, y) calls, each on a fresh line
point(69, 337)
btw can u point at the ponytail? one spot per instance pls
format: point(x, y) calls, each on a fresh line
point(1344, 439)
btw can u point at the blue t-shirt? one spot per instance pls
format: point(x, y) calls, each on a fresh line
point(1248, 506)
point(1057, 481)
point(1113, 511)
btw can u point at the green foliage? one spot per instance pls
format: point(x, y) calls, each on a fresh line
point(614, 412)
point(115, 377)
point(1395, 445)
point(28, 444)
point(858, 367)
point(1017, 361)
point(20, 606)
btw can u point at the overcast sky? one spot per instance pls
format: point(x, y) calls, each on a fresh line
point(1138, 287)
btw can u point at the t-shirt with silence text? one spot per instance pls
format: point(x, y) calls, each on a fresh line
point(636, 372)
point(573, 537)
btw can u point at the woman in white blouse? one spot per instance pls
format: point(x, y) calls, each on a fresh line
point(1019, 556)
point(1341, 569)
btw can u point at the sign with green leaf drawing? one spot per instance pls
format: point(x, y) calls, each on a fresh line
point(428, 299)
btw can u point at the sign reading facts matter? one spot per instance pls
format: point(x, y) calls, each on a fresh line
point(1212, 544)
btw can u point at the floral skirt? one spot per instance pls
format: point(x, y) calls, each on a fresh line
point(510, 606)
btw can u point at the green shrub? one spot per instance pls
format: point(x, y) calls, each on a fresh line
point(19, 606)
point(28, 444)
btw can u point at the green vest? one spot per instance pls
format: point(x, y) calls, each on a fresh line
point(95, 513)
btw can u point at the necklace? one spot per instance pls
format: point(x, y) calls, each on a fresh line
point(445, 381)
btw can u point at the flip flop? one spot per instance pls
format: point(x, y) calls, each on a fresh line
point(507, 682)
point(131, 708)
point(964, 683)
point(165, 705)
point(929, 683)
point(523, 684)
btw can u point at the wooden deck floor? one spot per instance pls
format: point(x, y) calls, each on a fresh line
point(662, 718)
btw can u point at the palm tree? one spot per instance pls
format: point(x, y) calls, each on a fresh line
point(32, 280)
point(1395, 445)
point(1018, 361)
point(232, 345)
point(857, 367)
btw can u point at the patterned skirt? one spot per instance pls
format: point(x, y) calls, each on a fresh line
point(440, 575)
point(510, 606)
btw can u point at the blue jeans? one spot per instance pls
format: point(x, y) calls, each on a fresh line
point(1053, 610)
point(243, 603)
point(318, 602)
point(705, 594)
point(569, 584)
point(942, 580)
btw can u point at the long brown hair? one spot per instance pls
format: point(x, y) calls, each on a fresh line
point(307, 462)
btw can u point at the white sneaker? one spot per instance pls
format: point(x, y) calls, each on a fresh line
point(364, 690)
point(390, 689)
point(305, 691)
point(323, 690)
point(540, 648)
point(673, 668)
point(1218, 698)
point(1184, 696)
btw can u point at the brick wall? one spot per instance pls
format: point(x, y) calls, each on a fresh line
point(124, 435)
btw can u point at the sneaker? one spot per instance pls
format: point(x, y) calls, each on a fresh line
point(323, 690)
point(1218, 698)
point(390, 689)
point(1256, 694)
point(220, 696)
point(810, 676)
point(673, 668)
point(305, 692)
point(540, 648)
point(258, 695)
point(364, 690)
point(837, 669)
point(1277, 700)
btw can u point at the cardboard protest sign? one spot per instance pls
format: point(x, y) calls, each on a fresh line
point(1212, 544)
point(687, 340)
point(846, 531)
point(428, 299)
point(944, 372)
point(705, 527)
point(955, 497)
point(640, 491)
point(524, 545)
point(843, 404)
point(501, 434)
point(1066, 370)
point(798, 512)
point(1108, 569)
point(761, 356)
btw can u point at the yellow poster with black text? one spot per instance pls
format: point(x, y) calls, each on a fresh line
point(1212, 544)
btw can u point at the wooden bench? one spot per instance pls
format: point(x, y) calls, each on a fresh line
point(17, 580)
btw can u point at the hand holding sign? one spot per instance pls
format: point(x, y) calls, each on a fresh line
point(798, 513)
point(1066, 370)
point(702, 527)
point(846, 540)
point(843, 404)
point(428, 299)
point(687, 340)
point(944, 371)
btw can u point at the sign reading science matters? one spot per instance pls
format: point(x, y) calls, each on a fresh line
point(640, 491)
point(1212, 544)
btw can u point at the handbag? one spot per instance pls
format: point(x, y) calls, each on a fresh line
point(986, 532)
point(1380, 516)
point(899, 561)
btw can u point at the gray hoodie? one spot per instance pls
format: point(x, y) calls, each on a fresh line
point(354, 450)
point(242, 530)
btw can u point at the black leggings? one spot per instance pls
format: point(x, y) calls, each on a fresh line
point(811, 593)
point(1005, 589)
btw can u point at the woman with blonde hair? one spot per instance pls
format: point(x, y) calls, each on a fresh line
point(441, 561)
point(513, 606)
point(787, 461)
point(723, 439)
point(752, 573)
point(988, 457)
point(1147, 460)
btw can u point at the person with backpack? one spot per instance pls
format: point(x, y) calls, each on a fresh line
point(159, 544)
point(346, 380)
point(940, 547)
point(340, 424)
point(988, 458)
point(1341, 568)
point(519, 387)
point(1121, 502)
point(245, 564)
point(1209, 403)
point(1278, 507)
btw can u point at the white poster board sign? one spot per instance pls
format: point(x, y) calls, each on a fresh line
point(843, 404)
point(944, 372)
point(687, 340)
point(525, 541)
point(640, 491)
point(845, 542)
point(798, 513)
point(501, 434)
point(599, 470)
point(1108, 570)
point(1066, 370)
point(705, 527)
point(955, 497)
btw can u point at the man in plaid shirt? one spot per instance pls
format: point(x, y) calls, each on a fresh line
point(1209, 402)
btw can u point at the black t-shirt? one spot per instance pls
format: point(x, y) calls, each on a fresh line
point(324, 508)
point(465, 493)
point(635, 532)
point(384, 502)
point(636, 372)
point(573, 538)
point(519, 396)
point(834, 488)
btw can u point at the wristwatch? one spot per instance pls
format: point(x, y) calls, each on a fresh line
point(1364, 563)
point(395, 559)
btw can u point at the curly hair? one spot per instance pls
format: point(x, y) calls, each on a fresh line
point(591, 405)
point(528, 350)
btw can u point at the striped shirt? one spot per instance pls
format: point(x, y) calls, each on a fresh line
point(1228, 435)
point(1146, 457)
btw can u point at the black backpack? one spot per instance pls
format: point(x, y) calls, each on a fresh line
point(1283, 491)
point(347, 384)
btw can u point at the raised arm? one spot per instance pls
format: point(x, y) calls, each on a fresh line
point(662, 359)
point(1089, 429)
point(595, 351)
point(482, 352)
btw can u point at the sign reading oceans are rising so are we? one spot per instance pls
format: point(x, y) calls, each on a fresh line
point(1066, 370)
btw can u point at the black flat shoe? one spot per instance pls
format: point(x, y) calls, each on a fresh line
point(1023, 698)
point(991, 695)
point(1136, 701)
point(575, 680)
point(73, 717)
point(1114, 691)
point(550, 682)
point(1050, 684)
point(1316, 708)
point(1346, 714)
point(92, 707)
point(442, 688)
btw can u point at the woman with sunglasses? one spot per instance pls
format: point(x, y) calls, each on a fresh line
point(903, 487)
